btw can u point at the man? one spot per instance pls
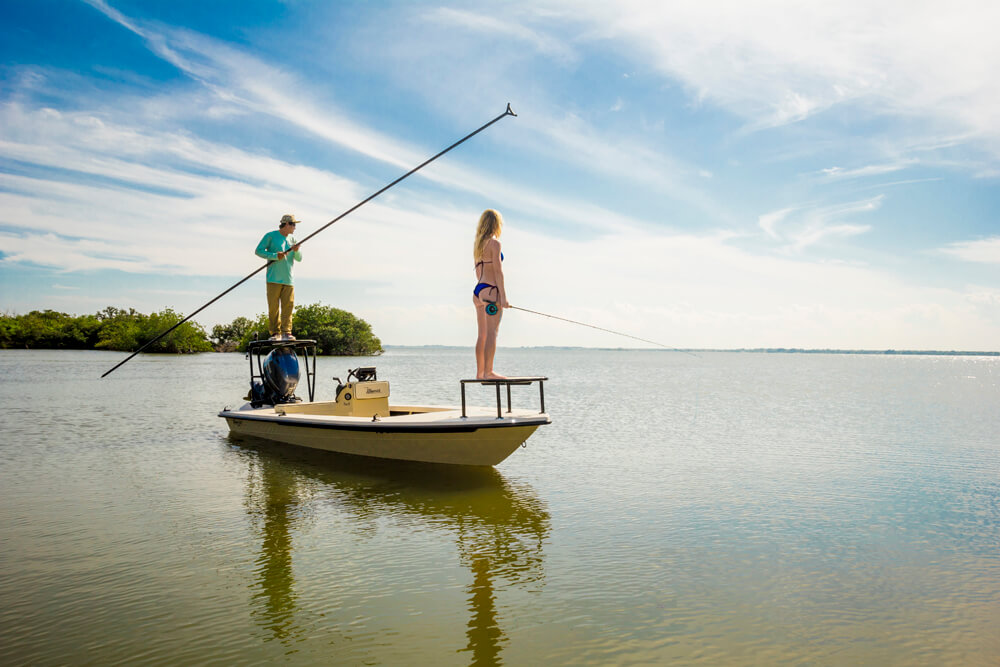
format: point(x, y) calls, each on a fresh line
point(282, 251)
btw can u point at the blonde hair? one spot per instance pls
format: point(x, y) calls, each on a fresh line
point(490, 225)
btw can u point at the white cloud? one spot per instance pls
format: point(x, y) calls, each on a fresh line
point(807, 225)
point(543, 43)
point(67, 254)
point(553, 126)
point(985, 251)
point(769, 221)
point(985, 296)
point(242, 80)
point(839, 173)
point(816, 233)
point(570, 138)
point(702, 291)
point(892, 184)
point(781, 61)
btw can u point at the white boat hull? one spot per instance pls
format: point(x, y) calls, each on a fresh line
point(425, 434)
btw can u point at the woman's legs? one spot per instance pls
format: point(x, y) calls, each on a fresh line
point(481, 324)
point(486, 342)
point(490, 348)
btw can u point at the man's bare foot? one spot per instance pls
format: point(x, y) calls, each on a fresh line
point(494, 376)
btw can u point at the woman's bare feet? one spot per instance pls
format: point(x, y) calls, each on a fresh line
point(494, 376)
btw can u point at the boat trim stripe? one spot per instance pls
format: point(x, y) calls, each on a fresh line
point(381, 427)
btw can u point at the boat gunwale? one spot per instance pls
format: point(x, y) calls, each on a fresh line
point(462, 425)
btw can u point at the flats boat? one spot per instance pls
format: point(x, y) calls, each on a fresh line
point(361, 421)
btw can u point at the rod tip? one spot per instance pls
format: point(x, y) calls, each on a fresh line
point(510, 112)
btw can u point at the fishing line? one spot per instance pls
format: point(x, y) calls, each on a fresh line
point(617, 333)
point(697, 390)
point(507, 112)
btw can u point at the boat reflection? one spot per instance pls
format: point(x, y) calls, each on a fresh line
point(499, 526)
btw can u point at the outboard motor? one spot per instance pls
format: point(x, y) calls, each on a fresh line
point(281, 377)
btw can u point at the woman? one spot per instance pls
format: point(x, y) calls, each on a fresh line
point(489, 295)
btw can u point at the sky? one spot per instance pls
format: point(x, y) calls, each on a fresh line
point(699, 174)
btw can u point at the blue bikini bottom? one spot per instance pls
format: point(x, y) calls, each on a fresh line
point(480, 287)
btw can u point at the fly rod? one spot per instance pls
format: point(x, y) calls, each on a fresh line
point(617, 333)
point(507, 112)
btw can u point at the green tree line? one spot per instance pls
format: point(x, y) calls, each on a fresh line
point(109, 329)
point(337, 332)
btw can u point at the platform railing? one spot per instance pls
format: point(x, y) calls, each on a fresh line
point(508, 382)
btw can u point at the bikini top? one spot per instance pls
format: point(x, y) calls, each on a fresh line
point(482, 262)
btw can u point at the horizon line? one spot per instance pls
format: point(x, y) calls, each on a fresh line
point(766, 350)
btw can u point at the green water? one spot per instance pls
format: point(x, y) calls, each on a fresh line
point(719, 509)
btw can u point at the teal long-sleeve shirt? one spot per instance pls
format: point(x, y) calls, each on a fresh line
point(279, 270)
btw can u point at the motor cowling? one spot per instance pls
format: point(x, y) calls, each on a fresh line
point(281, 376)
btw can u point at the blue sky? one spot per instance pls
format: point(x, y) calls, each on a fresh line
point(703, 174)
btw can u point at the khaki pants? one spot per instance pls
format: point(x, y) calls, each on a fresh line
point(283, 295)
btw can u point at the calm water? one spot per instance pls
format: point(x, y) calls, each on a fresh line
point(720, 509)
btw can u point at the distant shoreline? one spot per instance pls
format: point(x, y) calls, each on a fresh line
point(758, 350)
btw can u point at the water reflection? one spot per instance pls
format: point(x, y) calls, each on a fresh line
point(484, 633)
point(272, 500)
point(499, 526)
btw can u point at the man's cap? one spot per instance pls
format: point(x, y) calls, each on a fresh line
point(288, 218)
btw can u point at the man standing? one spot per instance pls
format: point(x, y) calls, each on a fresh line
point(282, 251)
